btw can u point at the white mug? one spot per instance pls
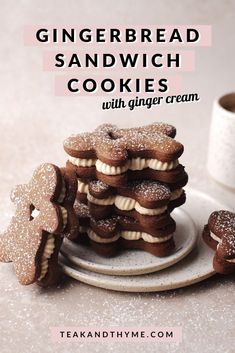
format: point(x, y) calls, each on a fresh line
point(221, 153)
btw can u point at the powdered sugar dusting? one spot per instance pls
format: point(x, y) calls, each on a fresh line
point(99, 186)
point(108, 141)
point(152, 190)
point(223, 221)
point(81, 210)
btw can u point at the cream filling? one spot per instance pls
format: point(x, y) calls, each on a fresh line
point(132, 164)
point(82, 162)
point(135, 164)
point(48, 251)
point(110, 170)
point(82, 187)
point(104, 202)
point(126, 204)
point(64, 216)
point(50, 243)
point(159, 165)
point(128, 235)
point(50, 246)
point(213, 236)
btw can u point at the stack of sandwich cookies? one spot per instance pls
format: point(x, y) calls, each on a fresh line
point(129, 207)
point(219, 234)
point(144, 205)
point(44, 215)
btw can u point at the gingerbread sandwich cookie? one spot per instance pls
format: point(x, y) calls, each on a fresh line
point(149, 202)
point(44, 214)
point(116, 155)
point(109, 236)
point(219, 234)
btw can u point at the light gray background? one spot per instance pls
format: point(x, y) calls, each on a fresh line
point(33, 124)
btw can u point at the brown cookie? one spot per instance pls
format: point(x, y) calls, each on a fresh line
point(173, 176)
point(219, 234)
point(117, 155)
point(109, 227)
point(148, 194)
point(112, 249)
point(104, 190)
point(146, 201)
point(110, 235)
point(151, 222)
point(44, 213)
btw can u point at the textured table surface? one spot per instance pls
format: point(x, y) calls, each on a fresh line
point(33, 124)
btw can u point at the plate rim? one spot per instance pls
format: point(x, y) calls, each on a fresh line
point(89, 278)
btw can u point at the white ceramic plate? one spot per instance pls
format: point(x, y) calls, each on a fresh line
point(196, 267)
point(134, 262)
